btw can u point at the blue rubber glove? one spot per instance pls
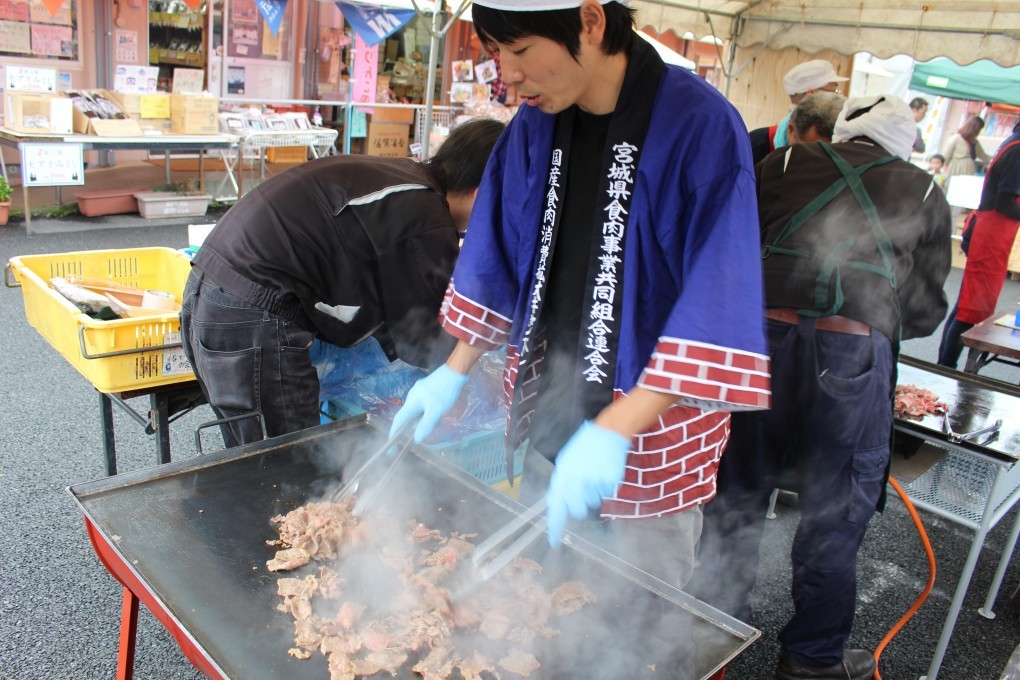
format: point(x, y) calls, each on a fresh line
point(588, 468)
point(432, 397)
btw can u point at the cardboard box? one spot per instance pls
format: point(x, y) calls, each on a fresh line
point(194, 114)
point(152, 111)
point(106, 127)
point(381, 115)
point(39, 113)
point(387, 139)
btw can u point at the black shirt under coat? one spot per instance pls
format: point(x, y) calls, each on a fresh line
point(370, 233)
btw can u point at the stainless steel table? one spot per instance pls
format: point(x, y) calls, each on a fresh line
point(978, 481)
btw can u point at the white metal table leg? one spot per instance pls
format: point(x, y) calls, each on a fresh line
point(1007, 552)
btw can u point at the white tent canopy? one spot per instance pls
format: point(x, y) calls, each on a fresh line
point(963, 30)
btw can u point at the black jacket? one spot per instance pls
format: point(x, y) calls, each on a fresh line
point(346, 246)
point(912, 210)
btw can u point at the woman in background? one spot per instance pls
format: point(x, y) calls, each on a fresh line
point(963, 149)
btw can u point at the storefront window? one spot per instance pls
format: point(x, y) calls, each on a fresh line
point(29, 29)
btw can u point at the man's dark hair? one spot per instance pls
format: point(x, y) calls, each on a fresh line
point(818, 110)
point(459, 163)
point(561, 25)
point(918, 103)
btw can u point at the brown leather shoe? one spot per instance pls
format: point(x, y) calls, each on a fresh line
point(858, 664)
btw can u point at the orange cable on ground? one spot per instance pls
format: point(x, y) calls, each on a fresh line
point(928, 586)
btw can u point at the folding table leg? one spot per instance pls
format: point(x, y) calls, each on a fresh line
point(1007, 552)
point(159, 420)
point(109, 443)
point(128, 631)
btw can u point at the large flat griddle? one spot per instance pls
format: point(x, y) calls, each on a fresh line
point(973, 403)
point(191, 535)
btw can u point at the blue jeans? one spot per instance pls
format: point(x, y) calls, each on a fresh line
point(248, 360)
point(831, 421)
point(952, 346)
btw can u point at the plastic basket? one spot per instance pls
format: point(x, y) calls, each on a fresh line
point(119, 355)
point(480, 454)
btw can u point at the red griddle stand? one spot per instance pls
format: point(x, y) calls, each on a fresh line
point(134, 592)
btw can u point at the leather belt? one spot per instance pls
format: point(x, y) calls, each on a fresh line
point(832, 324)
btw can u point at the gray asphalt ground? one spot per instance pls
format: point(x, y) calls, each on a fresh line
point(60, 609)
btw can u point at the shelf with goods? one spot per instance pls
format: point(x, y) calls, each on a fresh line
point(177, 37)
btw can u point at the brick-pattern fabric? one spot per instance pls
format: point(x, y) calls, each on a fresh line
point(473, 323)
point(708, 375)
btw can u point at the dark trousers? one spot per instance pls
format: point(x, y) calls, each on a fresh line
point(248, 359)
point(951, 346)
point(831, 419)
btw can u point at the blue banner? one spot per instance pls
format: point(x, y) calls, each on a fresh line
point(374, 24)
point(272, 12)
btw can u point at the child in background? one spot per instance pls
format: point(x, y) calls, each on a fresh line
point(936, 168)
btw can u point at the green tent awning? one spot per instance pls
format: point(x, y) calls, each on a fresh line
point(981, 81)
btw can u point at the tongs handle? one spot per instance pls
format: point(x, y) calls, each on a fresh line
point(352, 483)
point(495, 565)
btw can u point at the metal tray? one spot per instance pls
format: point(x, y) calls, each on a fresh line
point(973, 403)
point(193, 533)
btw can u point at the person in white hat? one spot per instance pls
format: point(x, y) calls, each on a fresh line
point(613, 248)
point(817, 75)
point(856, 250)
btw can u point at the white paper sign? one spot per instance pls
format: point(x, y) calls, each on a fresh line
point(174, 360)
point(50, 165)
point(29, 79)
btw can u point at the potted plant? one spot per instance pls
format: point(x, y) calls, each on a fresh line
point(5, 200)
point(180, 198)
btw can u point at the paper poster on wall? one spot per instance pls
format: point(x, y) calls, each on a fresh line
point(50, 165)
point(50, 12)
point(244, 11)
point(125, 46)
point(15, 10)
point(29, 79)
point(366, 72)
point(486, 71)
point(63, 81)
point(52, 40)
point(359, 124)
point(235, 79)
point(270, 42)
point(188, 80)
point(463, 71)
point(15, 38)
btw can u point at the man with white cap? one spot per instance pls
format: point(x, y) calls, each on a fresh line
point(816, 75)
point(612, 247)
point(856, 248)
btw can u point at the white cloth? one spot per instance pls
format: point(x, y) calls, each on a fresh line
point(537, 5)
point(810, 75)
point(890, 122)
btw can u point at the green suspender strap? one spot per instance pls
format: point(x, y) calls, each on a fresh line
point(831, 263)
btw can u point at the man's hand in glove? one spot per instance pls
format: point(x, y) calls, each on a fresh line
point(432, 397)
point(588, 468)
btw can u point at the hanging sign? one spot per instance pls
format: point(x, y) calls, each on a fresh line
point(374, 24)
point(50, 165)
point(272, 12)
point(366, 72)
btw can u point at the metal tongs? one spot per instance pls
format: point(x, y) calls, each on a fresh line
point(957, 438)
point(481, 569)
point(354, 483)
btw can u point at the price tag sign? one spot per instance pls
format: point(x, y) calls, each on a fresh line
point(174, 360)
point(28, 79)
point(52, 164)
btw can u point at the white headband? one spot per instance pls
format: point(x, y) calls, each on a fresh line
point(537, 5)
point(890, 122)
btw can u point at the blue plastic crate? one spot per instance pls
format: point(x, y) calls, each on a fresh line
point(480, 454)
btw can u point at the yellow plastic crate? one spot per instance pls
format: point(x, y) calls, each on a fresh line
point(120, 355)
